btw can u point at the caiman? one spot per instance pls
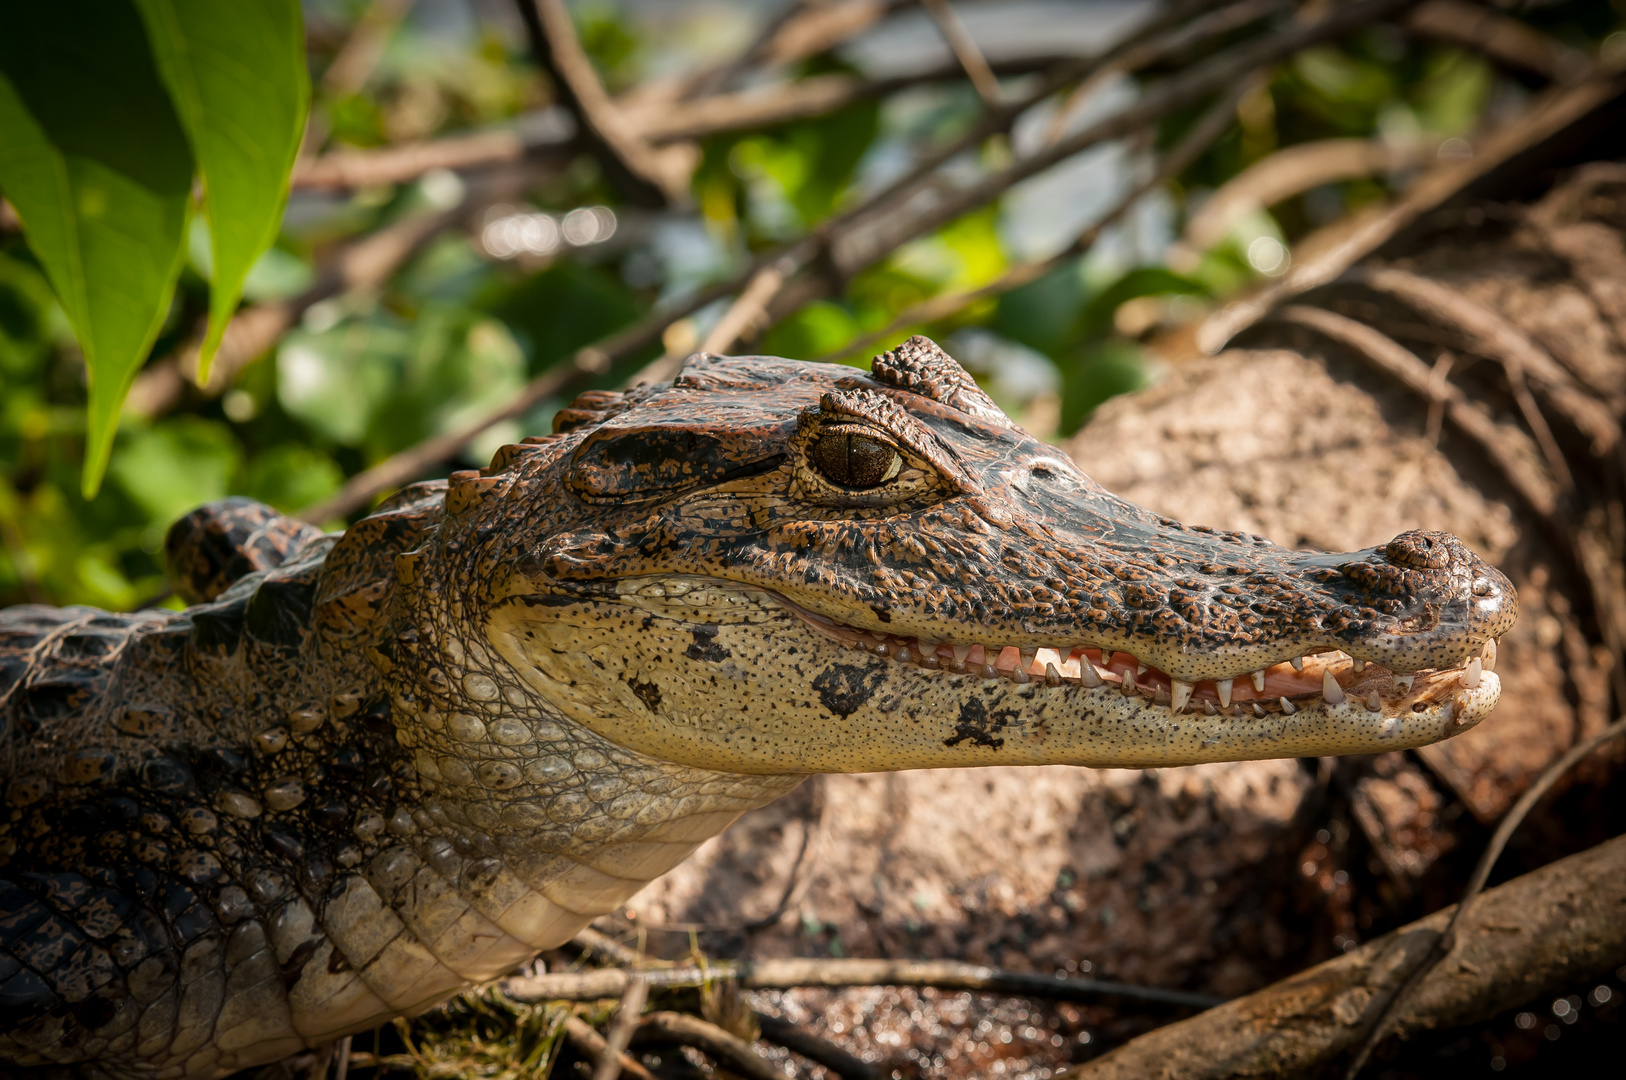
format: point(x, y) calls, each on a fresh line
point(366, 770)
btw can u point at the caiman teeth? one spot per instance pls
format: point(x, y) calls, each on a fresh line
point(1306, 681)
point(1330, 688)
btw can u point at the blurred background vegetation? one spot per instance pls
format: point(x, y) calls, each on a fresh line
point(408, 308)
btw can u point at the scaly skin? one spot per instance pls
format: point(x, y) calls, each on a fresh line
point(365, 771)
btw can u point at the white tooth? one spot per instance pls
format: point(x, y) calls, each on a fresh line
point(1179, 694)
point(1258, 678)
point(1020, 675)
point(1298, 663)
point(1064, 653)
point(1208, 707)
point(1087, 673)
point(1470, 674)
point(1028, 655)
point(1288, 707)
point(1403, 683)
point(989, 671)
point(1373, 702)
point(904, 655)
point(1052, 677)
point(1140, 667)
point(1224, 688)
point(961, 652)
point(1258, 710)
point(1359, 665)
point(1330, 688)
point(1126, 683)
point(1488, 655)
point(1446, 712)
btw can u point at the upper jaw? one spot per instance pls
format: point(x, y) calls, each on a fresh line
point(1321, 678)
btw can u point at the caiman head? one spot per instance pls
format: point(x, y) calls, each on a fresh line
point(779, 567)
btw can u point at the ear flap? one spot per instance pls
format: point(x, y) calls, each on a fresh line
point(919, 366)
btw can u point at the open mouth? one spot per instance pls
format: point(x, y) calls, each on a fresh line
point(1328, 677)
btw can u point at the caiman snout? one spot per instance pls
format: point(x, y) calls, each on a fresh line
point(1485, 595)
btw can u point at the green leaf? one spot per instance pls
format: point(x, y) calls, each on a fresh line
point(237, 75)
point(95, 161)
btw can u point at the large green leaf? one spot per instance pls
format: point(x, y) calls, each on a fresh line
point(98, 167)
point(236, 72)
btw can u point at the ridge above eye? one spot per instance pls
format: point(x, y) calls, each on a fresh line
point(855, 459)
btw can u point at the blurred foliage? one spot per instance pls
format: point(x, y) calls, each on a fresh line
point(454, 330)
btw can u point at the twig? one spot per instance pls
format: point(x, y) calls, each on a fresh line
point(627, 1017)
point(1447, 939)
point(1209, 128)
point(1401, 364)
point(786, 973)
point(798, 1040)
point(364, 264)
point(746, 313)
point(631, 163)
point(357, 58)
point(341, 1068)
point(591, 941)
point(965, 50)
point(1492, 335)
point(593, 1045)
point(1503, 38)
point(1291, 171)
point(1552, 113)
point(881, 231)
point(727, 1049)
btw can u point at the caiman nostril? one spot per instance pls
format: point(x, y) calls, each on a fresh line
point(1419, 550)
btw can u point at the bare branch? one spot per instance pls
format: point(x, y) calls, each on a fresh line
point(648, 176)
point(800, 1041)
point(627, 1016)
point(1504, 957)
point(1291, 171)
point(727, 1049)
point(1556, 110)
point(358, 57)
point(1503, 38)
point(1405, 367)
point(253, 330)
point(1212, 125)
point(883, 230)
point(593, 1046)
point(787, 973)
point(965, 50)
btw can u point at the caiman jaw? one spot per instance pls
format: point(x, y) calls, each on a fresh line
point(1326, 680)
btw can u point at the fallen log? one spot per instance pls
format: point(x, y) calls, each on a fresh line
point(1533, 935)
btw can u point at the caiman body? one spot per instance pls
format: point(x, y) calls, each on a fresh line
point(366, 770)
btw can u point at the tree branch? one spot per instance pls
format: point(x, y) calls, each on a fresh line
point(1323, 257)
point(1505, 955)
point(1503, 38)
point(965, 50)
point(727, 1049)
point(643, 174)
point(787, 973)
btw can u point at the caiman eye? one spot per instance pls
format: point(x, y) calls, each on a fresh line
point(855, 460)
